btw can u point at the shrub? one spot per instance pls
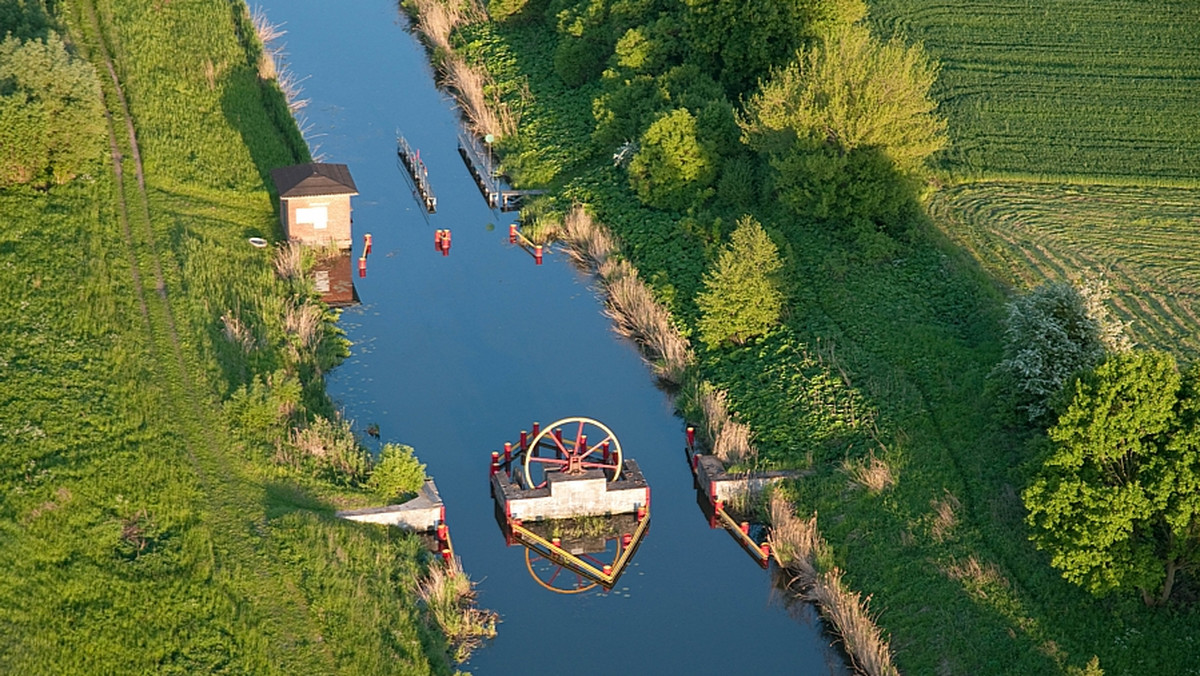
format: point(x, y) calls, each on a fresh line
point(51, 117)
point(672, 167)
point(398, 473)
point(1048, 337)
point(741, 297)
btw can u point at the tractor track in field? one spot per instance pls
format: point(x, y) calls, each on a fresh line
point(194, 419)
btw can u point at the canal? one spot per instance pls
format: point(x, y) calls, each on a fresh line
point(454, 355)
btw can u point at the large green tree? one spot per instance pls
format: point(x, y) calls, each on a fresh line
point(741, 297)
point(845, 122)
point(741, 41)
point(1115, 502)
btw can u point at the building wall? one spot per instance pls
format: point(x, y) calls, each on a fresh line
point(302, 216)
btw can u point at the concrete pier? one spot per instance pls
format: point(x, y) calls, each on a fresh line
point(564, 496)
point(422, 514)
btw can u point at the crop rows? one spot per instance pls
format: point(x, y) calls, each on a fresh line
point(1142, 240)
point(1059, 88)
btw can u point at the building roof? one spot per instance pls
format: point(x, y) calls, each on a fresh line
point(307, 180)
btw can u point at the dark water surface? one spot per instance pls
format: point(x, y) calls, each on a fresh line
point(454, 355)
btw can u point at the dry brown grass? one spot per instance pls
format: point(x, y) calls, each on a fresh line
point(238, 333)
point(714, 407)
point(733, 443)
point(485, 113)
point(640, 317)
point(303, 320)
point(798, 547)
point(588, 242)
point(289, 261)
point(449, 597)
point(872, 473)
point(976, 574)
point(945, 516)
point(862, 639)
point(268, 33)
point(437, 19)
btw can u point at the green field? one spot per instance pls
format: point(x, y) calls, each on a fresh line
point(1145, 242)
point(1106, 89)
point(144, 524)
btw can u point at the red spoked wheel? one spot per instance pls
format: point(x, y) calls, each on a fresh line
point(593, 446)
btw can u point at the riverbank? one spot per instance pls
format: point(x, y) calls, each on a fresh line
point(875, 382)
point(161, 380)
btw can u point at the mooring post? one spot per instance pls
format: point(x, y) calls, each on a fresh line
point(765, 548)
point(507, 452)
point(604, 452)
point(437, 240)
point(512, 233)
point(626, 539)
point(691, 436)
point(525, 437)
point(446, 243)
point(745, 525)
point(362, 267)
point(537, 254)
point(495, 463)
point(537, 428)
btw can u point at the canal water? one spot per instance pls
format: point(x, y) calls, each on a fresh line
point(455, 354)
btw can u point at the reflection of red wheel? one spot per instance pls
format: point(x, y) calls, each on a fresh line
point(555, 576)
point(594, 446)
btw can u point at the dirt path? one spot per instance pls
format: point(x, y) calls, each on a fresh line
point(232, 512)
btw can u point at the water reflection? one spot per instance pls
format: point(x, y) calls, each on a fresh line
point(577, 555)
point(334, 279)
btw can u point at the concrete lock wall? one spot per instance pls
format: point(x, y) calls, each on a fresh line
point(421, 514)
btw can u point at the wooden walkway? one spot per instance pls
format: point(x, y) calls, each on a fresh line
point(479, 163)
point(417, 171)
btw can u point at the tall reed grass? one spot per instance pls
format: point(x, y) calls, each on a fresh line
point(800, 549)
point(449, 597)
point(474, 87)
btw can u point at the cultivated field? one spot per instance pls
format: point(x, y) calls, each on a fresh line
point(1144, 241)
point(1035, 88)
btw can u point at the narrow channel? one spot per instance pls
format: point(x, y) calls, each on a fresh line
point(455, 354)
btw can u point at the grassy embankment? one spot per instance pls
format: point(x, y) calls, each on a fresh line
point(1099, 97)
point(875, 361)
point(144, 526)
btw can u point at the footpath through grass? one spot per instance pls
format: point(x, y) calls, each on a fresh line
point(886, 357)
point(140, 530)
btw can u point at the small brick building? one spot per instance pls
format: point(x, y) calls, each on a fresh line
point(314, 203)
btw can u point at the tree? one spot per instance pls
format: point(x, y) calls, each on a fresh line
point(849, 105)
point(397, 474)
point(672, 166)
point(1049, 336)
point(51, 115)
point(1116, 500)
point(740, 41)
point(741, 297)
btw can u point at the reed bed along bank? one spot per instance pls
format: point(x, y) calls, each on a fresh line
point(436, 21)
point(449, 598)
point(799, 548)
